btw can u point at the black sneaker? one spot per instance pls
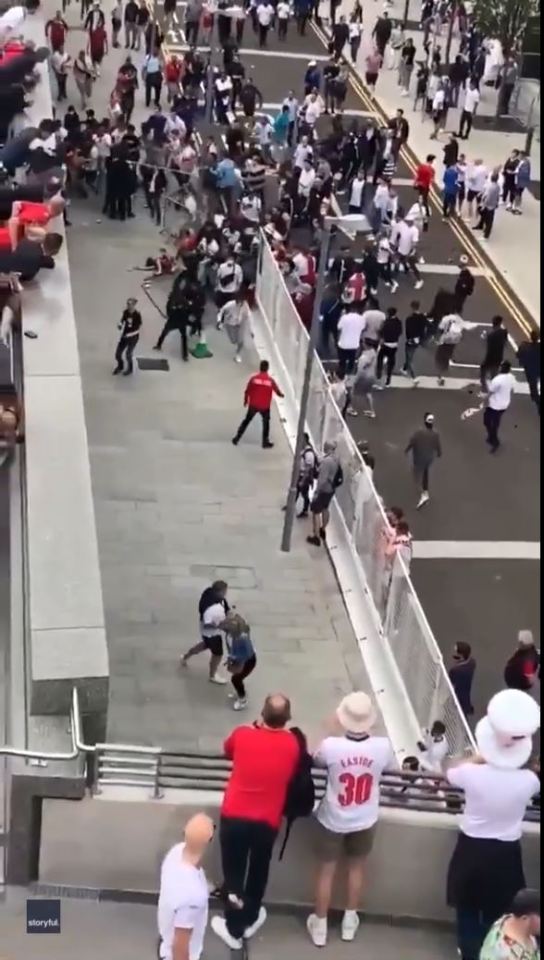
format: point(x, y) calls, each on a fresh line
point(116, 371)
point(315, 541)
point(127, 373)
point(267, 445)
point(235, 441)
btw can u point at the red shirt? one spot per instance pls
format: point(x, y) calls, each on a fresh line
point(355, 289)
point(259, 391)
point(263, 763)
point(424, 176)
point(5, 239)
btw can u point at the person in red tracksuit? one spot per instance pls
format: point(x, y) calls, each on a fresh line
point(258, 399)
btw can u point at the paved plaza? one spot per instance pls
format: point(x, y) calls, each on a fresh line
point(123, 931)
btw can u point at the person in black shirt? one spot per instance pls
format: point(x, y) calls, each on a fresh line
point(390, 335)
point(33, 254)
point(129, 325)
point(509, 182)
point(181, 307)
point(523, 667)
point(464, 285)
point(330, 73)
point(495, 342)
point(461, 674)
point(415, 331)
point(210, 630)
point(340, 36)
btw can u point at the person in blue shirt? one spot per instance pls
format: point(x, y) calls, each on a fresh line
point(227, 182)
point(281, 126)
point(241, 658)
point(312, 78)
point(451, 185)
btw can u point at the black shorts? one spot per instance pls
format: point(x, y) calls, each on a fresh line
point(214, 645)
point(472, 195)
point(321, 502)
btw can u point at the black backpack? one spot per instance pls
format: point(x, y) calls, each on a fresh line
point(300, 797)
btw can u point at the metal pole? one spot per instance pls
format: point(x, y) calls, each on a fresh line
point(406, 11)
point(305, 395)
point(209, 91)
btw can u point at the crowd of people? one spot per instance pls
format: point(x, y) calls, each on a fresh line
point(272, 780)
point(82, 154)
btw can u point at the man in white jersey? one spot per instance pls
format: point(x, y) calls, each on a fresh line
point(182, 913)
point(348, 813)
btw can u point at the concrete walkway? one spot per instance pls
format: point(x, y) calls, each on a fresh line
point(514, 246)
point(127, 932)
point(177, 506)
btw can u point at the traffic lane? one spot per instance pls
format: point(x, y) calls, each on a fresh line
point(474, 495)
point(485, 603)
point(276, 75)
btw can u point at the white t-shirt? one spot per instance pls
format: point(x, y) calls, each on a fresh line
point(265, 12)
point(477, 177)
point(282, 11)
point(405, 237)
point(302, 152)
point(356, 195)
point(353, 784)
point(313, 111)
point(435, 753)
point(305, 181)
point(350, 328)
point(213, 616)
point(495, 800)
point(472, 99)
point(355, 30)
point(183, 903)
point(229, 277)
point(501, 389)
point(383, 254)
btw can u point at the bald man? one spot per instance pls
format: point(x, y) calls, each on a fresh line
point(264, 758)
point(182, 914)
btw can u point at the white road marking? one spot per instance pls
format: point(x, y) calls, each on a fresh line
point(476, 550)
point(452, 383)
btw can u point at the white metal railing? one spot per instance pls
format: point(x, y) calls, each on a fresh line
point(396, 606)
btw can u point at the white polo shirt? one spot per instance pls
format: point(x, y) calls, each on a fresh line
point(501, 389)
point(472, 99)
point(265, 13)
point(183, 903)
point(350, 328)
point(356, 195)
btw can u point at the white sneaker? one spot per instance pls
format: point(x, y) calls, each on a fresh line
point(394, 286)
point(424, 498)
point(237, 358)
point(370, 413)
point(418, 285)
point(218, 678)
point(350, 925)
point(240, 705)
point(252, 930)
point(317, 928)
point(219, 927)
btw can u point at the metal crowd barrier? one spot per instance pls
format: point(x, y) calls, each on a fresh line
point(397, 607)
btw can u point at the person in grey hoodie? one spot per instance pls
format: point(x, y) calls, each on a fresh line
point(425, 447)
point(329, 478)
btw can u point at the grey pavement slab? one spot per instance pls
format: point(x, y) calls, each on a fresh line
point(122, 931)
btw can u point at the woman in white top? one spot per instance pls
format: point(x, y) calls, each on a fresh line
point(486, 869)
point(234, 317)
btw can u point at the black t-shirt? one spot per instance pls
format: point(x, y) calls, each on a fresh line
point(29, 258)
point(131, 321)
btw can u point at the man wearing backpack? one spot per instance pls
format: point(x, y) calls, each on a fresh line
point(265, 758)
point(329, 477)
point(348, 813)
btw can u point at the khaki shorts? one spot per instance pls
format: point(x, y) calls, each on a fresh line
point(332, 846)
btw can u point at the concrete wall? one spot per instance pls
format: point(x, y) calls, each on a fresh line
point(68, 640)
point(108, 843)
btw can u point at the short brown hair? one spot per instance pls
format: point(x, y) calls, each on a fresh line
point(276, 711)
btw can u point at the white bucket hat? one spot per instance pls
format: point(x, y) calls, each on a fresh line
point(356, 713)
point(504, 736)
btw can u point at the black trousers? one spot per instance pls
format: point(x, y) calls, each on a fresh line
point(125, 349)
point(116, 206)
point(346, 361)
point(492, 421)
point(448, 204)
point(153, 85)
point(486, 221)
point(237, 679)
point(263, 34)
point(246, 851)
point(465, 124)
point(387, 356)
point(168, 328)
point(252, 412)
point(282, 28)
point(191, 32)
point(61, 83)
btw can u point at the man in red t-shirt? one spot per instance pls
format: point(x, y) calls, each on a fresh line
point(264, 758)
point(424, 180)
point(258, 395)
